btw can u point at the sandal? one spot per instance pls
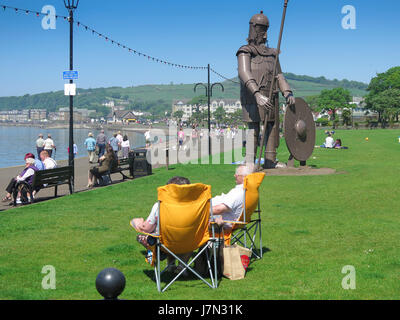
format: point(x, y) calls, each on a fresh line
point(6, 199)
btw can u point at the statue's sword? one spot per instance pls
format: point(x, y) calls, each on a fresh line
point(271, 90)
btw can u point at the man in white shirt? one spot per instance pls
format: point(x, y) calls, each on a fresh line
point(48, 162)
point(228, 207)
point(49, 145)
point(329, 142)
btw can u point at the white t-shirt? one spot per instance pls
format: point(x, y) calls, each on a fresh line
point(234, 200)
point(48, 144)
point(147, 135)
point(49, 163)
point(153, 216)
point(125, 144)
point(329, 142)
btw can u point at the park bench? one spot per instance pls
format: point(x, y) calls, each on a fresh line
point(124, 164)
point(45, 179)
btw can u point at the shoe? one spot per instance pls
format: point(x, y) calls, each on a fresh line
point(18, 201)
point(171, 268)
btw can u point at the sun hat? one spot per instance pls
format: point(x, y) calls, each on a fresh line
point(29, 155)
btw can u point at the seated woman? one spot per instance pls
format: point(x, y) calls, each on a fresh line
point(338, 144)
point(107, 162)
point(25, 175)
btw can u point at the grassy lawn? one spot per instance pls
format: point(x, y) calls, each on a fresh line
point(312, 226)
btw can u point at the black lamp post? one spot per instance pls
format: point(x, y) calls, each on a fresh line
point(71, 5)
point(209, 89)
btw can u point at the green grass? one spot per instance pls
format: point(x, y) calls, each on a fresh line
point(312, 225)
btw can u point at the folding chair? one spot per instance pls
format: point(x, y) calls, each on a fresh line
point(244, 230)
point(184, 213)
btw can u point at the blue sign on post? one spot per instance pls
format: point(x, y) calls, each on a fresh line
point(70, 75)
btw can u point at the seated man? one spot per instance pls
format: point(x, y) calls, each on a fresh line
point(48, 162)
point(329, 142)
point(228, 207)
point(150, 226)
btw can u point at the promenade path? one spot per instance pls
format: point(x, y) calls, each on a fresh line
point(81, 172)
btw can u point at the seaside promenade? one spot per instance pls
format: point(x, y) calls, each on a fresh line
point(82, 167)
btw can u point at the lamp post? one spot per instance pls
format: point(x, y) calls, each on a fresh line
point(209, 89)
point(71, 6)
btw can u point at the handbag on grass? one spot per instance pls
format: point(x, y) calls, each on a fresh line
point(236, 259)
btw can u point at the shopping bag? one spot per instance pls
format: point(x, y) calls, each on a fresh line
point(235, 261)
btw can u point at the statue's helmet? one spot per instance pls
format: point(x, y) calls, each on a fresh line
point(259, 25)
point(259, 19)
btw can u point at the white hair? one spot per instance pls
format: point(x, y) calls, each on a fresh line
point(245, 169)
point(30, 160)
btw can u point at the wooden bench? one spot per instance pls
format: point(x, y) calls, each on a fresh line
point(46, 179)
point(123, 165)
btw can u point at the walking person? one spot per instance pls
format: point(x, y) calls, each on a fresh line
point(101, 141)
point(125, 147)
point(49, 145)
point(90, 144)
point(39, 144)
point(114, 143)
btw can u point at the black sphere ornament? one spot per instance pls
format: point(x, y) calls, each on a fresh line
point(110, 283)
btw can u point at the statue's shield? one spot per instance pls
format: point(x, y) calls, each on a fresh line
point(299, 128)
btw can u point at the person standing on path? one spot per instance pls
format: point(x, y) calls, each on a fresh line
point(101, 143)
point(114, 143)
point(125, 147)
point(49, 145)
point(90, 144)
point(39, 144)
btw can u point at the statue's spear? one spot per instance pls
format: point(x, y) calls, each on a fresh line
point(271, 90)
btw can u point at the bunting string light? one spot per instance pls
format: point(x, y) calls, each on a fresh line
point(114, 42)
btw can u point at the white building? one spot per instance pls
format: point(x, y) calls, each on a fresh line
point(229, 105)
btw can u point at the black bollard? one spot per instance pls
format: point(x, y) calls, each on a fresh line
point(110, 283)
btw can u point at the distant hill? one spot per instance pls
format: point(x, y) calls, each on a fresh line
point(157, 98)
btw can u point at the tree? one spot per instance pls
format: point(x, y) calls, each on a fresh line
point(331, 100)
point(199, 100)
point(384, 94)
point(220, 115)
point(178, 114)
point(346, 116)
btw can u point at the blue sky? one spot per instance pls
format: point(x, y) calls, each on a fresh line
point(191, 33)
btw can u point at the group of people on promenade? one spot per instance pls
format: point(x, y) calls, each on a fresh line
point(32, 165)
point(109, 151)
point(45, 144)
point(119, 144)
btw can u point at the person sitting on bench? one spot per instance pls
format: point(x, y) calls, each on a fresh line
point(25, 175)
point(107, 162)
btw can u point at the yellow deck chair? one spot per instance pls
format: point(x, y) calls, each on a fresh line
point(184, 217)
point(244, 230)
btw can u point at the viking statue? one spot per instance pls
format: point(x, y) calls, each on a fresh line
point(255, 66)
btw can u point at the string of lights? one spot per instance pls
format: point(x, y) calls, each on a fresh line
point(114, 42)
point(223, 77)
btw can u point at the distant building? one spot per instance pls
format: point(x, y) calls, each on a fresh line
point(229, 105)
point(38, 114)
point(123, 116)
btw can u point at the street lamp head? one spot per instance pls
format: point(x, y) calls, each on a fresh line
point(71, 4)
